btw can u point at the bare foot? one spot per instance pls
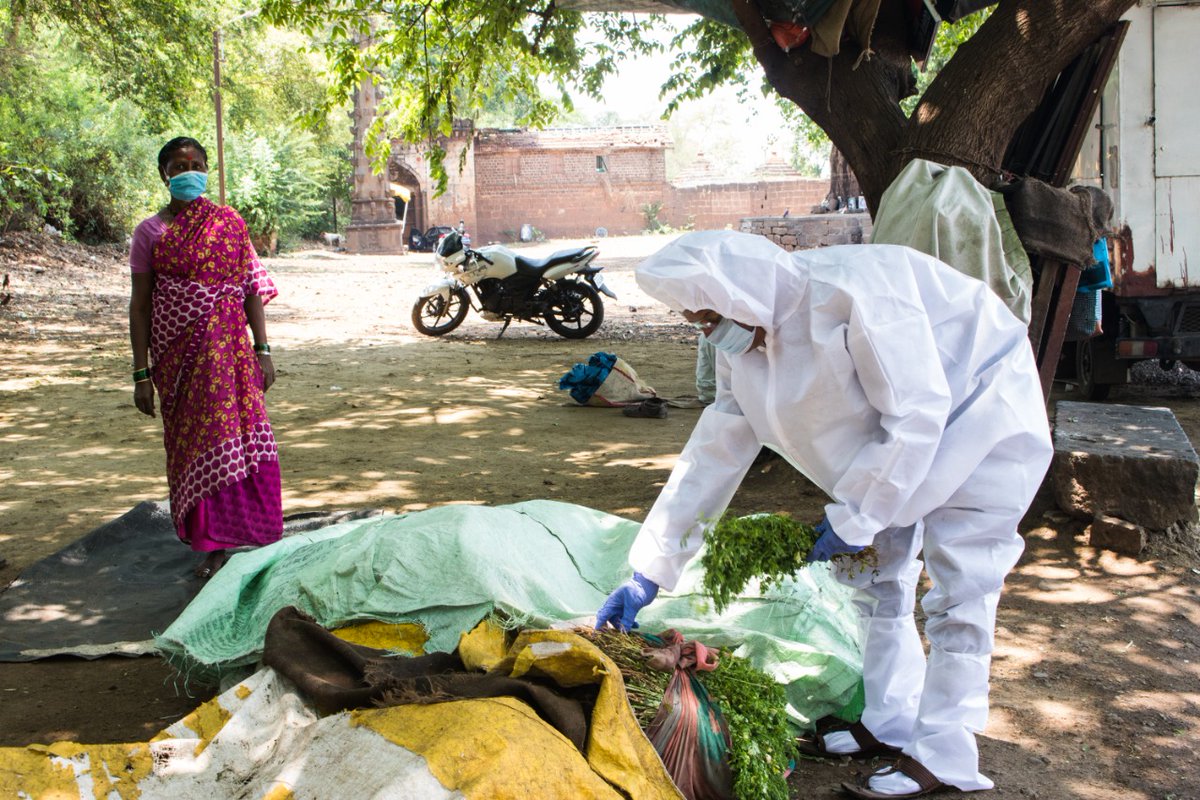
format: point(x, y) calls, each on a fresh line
point(213, 562)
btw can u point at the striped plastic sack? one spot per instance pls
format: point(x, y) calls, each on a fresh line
point(689, 732)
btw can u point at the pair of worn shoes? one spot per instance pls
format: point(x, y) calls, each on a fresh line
point(651, 407)
point(905, 778)
point(844, 740)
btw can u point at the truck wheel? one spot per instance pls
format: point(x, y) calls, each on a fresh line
point(1085, 373)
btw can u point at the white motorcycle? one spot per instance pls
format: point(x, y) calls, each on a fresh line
point(563, 290)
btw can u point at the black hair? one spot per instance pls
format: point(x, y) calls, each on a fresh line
point(178, 143)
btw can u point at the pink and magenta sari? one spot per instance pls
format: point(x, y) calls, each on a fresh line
point(222, 461)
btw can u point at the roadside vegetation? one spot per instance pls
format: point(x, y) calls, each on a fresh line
point(89, 97)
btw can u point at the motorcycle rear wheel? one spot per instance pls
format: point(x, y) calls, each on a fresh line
point(575, 310)
point(436, 315)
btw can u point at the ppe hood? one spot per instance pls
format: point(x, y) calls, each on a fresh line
point(741, 276)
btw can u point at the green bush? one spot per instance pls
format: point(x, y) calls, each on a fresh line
point(71, 156)
point(274, 181)
point(28, 195)
point(650, 213)
point(113, 175)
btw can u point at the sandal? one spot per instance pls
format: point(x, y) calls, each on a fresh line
point(211, 564)
point(868, 746)
point(908, 767)
point(652, 407)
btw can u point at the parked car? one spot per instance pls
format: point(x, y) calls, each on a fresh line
point(427, 241)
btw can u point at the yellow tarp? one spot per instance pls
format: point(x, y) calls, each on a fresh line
point(260, 739)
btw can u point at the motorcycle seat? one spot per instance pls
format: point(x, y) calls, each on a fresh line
point(554, 259)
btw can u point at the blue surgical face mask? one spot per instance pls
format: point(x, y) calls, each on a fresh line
point(727, 335)
point(188, 186)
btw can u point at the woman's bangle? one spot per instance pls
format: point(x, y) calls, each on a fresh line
point(142, 374)
point(263, 349)
point(143, 380)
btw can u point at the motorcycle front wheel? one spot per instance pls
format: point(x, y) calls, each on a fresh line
point(574, 310)
point(436, 315)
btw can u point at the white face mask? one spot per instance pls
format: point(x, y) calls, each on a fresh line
point(731, 337)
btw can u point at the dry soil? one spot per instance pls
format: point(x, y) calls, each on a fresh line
point(1096, 690)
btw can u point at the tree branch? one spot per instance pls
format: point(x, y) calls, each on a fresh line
point(973, 108)
point(855, 102)
point(545, 14)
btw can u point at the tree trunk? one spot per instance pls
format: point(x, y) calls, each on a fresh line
point(842, 183)
point(970, 112)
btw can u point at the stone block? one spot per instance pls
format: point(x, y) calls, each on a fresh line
point(1130, 462)
point(1111, 533)
point(386, 237)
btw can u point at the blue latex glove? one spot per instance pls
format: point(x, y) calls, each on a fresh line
point(626, 601)
point(829, 544)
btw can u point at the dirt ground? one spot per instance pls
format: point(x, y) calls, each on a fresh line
point(1096, 690)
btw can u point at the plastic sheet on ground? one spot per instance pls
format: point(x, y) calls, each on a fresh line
point(261, 739)
point(112, 590)
point(541, 563)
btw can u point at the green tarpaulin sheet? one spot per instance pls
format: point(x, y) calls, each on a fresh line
point(944, 212)
point(542, 563)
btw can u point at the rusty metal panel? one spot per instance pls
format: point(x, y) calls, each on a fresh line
point(1177, 232)
point(1128, 279)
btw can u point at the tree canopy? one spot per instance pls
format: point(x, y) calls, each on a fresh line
point(440, 60)
point(153, 51)
point(88, 93)
point(119, 74)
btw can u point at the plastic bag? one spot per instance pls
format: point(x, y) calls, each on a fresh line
point(689, 732)
point(605, 380)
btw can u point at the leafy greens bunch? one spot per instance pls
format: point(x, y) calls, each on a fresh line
point(770, 547)
point(753, 703)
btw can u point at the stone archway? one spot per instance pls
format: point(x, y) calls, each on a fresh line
point(416, 212)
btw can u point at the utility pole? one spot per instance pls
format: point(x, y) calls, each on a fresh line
point(219, 113)
point(217, 100)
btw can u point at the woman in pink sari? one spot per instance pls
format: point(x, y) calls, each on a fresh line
point(197, 285)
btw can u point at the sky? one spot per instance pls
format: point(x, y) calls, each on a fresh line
point(732, 134)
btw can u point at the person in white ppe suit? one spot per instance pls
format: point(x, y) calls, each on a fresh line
point(908, 392)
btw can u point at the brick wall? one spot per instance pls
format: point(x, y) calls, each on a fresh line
point(715, 206)
point(811, 230)
point(552, 180)
point(561, 193)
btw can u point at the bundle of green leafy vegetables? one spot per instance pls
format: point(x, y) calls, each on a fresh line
point(770, 547)
point(753, 704)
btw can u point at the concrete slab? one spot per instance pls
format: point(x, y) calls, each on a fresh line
point(1130, 462)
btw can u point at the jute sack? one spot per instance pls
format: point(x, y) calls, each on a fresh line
point(622, 387)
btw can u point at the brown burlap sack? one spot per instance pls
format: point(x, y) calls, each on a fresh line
point(1058, 224)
